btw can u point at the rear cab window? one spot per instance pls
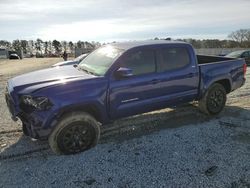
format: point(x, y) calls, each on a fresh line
point(173, 58)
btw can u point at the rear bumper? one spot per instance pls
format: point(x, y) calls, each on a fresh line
point(244, 81)
point(241, 83)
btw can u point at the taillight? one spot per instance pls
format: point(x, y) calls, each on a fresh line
point(245, 69)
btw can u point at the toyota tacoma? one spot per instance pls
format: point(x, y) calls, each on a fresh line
point(68, 104)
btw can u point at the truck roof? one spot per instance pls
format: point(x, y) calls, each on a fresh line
point(128, 45)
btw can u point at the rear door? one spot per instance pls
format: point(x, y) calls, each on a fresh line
point(178, 73)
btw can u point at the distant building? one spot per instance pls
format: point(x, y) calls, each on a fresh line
point(4, 54)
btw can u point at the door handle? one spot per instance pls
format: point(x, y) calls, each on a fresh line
point(190, 75)
point(155, 81)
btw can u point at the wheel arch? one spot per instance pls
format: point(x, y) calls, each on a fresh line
point(88, 108)
point(91, 109)
point(225, 82)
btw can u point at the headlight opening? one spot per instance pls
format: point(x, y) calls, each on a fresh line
point(39, 103)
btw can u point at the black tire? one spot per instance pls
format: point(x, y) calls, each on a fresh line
point(25, 130)
point(214, 100)
point(74, 133)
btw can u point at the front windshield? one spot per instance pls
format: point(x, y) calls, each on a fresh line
point(99, 61)
point(235, 54)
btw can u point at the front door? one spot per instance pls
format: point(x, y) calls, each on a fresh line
point(133, 95)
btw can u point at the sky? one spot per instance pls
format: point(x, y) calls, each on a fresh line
point(113, 20)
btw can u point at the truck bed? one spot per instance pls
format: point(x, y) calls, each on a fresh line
point(204, 59)
point(213, 68)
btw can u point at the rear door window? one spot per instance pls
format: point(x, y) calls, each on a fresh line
point(173, 58)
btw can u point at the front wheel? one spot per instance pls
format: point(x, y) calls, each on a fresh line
point(25, 129)
point(74, 133)
point(214, 100)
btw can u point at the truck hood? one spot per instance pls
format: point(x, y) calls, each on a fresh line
point(63, 63)
point(46, 77)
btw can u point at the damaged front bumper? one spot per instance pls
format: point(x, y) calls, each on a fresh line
point(10, 105)
point(32, 123)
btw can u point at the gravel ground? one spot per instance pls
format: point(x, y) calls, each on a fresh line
point(168, 148)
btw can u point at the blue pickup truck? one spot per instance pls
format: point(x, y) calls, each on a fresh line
point(67, 105)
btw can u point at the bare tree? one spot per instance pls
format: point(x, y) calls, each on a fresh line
point(50, 48)
point(16, 44)
point(79, 44)
point(64, 45)
point(57, 45)
point(248, 35)
point(71, 46)
point(39, 45)
point(31, 47)
point(24, 45)
point(5, 44)
point(241, 36)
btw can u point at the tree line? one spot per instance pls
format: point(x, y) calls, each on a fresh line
point(46, 48)
point(236, 39)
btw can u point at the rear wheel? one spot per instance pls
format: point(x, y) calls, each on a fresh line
point(214, 100)
point(74, 133)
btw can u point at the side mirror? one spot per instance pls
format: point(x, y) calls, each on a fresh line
point(123, 72)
